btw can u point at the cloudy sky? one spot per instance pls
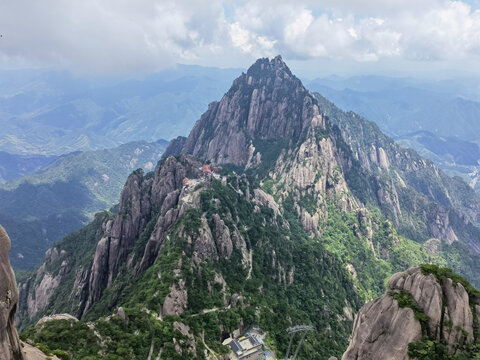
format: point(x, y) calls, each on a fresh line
point(128, 36)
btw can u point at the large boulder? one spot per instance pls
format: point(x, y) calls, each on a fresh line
point(385, 326)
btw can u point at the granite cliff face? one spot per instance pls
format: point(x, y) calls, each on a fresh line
point(421, 200)
point(10, 348)
point(269, 123)
point(266, 103)
point(419, 304)
point(144, 199)
point(192, 242)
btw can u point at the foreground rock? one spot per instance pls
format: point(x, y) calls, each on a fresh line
point(427, 307)
point(9, 343)
point(30, 352)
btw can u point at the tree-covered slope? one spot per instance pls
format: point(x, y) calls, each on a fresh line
point(218, 244)
point(421, 200)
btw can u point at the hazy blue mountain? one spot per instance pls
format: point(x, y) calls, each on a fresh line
point(405, 109)
point(53, 112)
point(39, 209)
point(14, 166)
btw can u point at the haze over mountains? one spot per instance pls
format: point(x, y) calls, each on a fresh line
point(15, 166)
point(56, 112)
point(65, 113)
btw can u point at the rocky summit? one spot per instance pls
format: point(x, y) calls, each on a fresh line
point(278, 210)
point(267, 103)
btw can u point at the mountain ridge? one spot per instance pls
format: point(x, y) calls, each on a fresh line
point(276, 231)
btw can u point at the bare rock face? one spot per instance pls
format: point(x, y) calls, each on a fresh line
point(140, 196)
point(222, 237)
point(9, 343)
point(383, 328)
point(176, 301)
point(425, 290)
point(56, 317)
point(175, 147)
point(267, 200)
point(268, 102)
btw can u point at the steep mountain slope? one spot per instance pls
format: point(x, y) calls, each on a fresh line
point(455, 156)
point(288, 230)
point(180, 250)
point(404, 185)
point(437, 119)
point(41, 208)
point(420, 199)
point(266, 103)
point(53, 112)
point(402, 106)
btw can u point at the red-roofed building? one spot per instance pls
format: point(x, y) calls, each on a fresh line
point(207, 169)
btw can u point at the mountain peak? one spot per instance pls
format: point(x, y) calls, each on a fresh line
point(268, 103)
point(266, 67)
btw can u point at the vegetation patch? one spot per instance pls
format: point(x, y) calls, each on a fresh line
point(447, 273)
point(405, 300)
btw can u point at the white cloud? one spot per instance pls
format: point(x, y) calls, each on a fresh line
point(148, 35)
point(109, 35)
point(407, 29)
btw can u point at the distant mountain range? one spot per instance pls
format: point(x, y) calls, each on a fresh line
point(39, 209)
point(52, 112)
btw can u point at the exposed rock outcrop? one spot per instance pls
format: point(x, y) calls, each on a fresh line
point(176, 301)
point(417, 303)
point(56, 317)
point(175, 147)
point(140, 197)
point(268, 102)
point(10, 347)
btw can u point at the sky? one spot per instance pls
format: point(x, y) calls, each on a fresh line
point(109, 37)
